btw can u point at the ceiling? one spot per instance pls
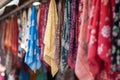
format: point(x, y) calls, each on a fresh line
point(10, 8)
point(4, 2)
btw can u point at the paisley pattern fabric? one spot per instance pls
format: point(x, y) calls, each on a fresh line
point(81, 36)
point(32, 58)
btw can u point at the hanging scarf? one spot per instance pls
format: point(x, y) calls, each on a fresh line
point(116, 38)
point(100, 45)
point(73, 35)
point(82, 69)
point(41, 29)
point(8, 45)
point(8, 62)
point(42, 73)
point(15, 37)
point(2, 76)
point(3, 36)
point(25, 29)
point(33, 53)
point(33, 76)
point(24, 75)
point(59, 31)
point(49, 39)
point(8, 37)
point(6, 34)
point(66, 34)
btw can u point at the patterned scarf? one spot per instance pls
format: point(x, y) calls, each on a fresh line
point(66, 34)
point(73, 35)
point(32, 56)
point(116, 38)
point(41, 29)
point(82, 69)
point(59, 31)
point(49, 39)
point(100, 39)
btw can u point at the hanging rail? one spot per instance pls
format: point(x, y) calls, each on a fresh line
point(17, 9)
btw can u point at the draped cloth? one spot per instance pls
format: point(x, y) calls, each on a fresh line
point(41, 29)
point(8, 63)
point(3, 37)
point(59, 31)
point(116, 38)
point(73, 35)
point(100, 39)
point(25, 29)
point(8, 45)
point(32, 56)
point(24, 75)
point(1, 76)
point(49, 39)
point(8, 36)
point(15, 37)
point(66, 35)
point(81, 68)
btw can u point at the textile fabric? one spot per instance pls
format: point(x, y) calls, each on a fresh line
point(116, 38)
point(66, 35)
point(32, 57)
point(41, 29)
point(82, 68)
point(59, 31)
point(73, 35)
point(49, 39)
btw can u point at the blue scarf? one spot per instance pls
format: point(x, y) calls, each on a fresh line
point(32, 57)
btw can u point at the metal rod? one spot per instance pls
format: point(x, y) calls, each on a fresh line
point(17, 9)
